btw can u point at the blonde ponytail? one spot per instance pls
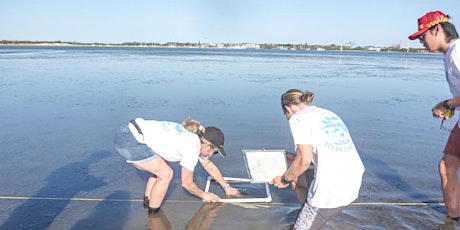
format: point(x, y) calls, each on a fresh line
point(307, 97)
point(192, 126)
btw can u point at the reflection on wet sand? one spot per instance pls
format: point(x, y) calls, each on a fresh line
point(159, 221)
point(449, 224)
point(204, 217)
point(202, 220)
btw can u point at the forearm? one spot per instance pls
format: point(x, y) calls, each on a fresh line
point(193, 189)
point(454, 102)
point(442, 107)
point(190, 186)
point(212, 169)
point(215, 173)
point(300, 163)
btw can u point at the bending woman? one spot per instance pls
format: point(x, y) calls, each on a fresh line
point(151, 145)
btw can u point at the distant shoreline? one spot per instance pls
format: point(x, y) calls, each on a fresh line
point(58, 45)
point(214, 46)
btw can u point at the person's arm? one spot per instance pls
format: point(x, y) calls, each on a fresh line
point(299, 165)
point(190, 186)
point(440, 108)
point(214, 172)
point(454, 102)
point(290, 157)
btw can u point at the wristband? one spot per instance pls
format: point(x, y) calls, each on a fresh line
point(226, 186)
point(284, 180)
point(446, 105)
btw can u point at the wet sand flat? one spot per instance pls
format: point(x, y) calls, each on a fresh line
point(61, 107)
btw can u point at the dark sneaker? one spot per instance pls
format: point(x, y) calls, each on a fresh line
point(153, 210)
point(146, 202)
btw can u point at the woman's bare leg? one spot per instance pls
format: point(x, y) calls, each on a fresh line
point(164, 173)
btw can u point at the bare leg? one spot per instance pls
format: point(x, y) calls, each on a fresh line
point(150, 184)
point(300, 188)
point(302, 184)
point(448, 168)
point(164, 174)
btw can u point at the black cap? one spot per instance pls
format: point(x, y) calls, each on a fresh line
point(215, 137)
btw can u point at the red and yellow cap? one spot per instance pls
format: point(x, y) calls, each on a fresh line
point(427, 21)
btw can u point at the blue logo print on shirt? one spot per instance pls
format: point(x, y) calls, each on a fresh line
point(338, 137)
point(180, 129)
point(168, 126)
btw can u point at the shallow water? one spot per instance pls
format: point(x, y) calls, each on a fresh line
point(60, 108)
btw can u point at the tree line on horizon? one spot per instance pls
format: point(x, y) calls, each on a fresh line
point(393, 48)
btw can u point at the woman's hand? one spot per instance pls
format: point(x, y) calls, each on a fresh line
point(439, 111)
point(277, 182)
point(229, 191)
point(210, 197)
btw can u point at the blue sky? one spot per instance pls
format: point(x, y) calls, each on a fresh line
point(371, 22)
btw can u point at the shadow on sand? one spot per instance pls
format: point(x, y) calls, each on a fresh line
point(393, 178)
point(62, 185)
point(108, 214)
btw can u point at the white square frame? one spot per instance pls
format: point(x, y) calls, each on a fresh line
point(266, 199)
point(264, 165)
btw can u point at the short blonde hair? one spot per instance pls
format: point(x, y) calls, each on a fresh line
point(196, 128)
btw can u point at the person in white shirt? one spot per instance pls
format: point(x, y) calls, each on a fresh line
point(436, 33)
point(150, 145)
point(322, 139)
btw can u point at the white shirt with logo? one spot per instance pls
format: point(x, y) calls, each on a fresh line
point(338, 167)
point(169, 140)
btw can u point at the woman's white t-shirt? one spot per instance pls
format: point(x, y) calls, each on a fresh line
point(338, 167)
point(169, 140)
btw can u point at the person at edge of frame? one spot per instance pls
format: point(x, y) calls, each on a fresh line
point(321, 138)
point(436, 33)
point(150, 146)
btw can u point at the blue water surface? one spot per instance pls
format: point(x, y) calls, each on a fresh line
point(60, 108)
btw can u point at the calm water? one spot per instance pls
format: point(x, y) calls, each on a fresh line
point(60, 108)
